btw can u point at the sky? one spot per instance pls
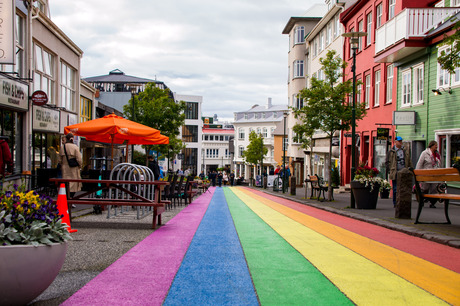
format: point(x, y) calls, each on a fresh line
point(232, 53)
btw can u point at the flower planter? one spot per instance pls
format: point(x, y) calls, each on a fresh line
point(27, 270)
point(364, 197)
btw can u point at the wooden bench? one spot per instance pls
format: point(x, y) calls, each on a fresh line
point(435, 176)
point(317, 188)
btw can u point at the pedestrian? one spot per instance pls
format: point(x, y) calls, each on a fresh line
point(213, 177)
point(277, 170)
point(202, 175)
point(219, 178)
point(232, 178)
point(6, 161)
point(153, 165)
point(67, 152)
point(429, 159)
point(397, 158)
point(225, 178)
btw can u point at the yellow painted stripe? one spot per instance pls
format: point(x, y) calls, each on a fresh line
point(438, 280)
point(361, 280)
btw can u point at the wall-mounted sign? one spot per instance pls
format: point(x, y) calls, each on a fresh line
point(14, 94)
point(383, 133)
point(45, 119)
point(7, 41)
point(403, 118)
point(39, 97)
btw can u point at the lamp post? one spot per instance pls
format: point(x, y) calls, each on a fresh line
point(133, 87)
point(261, 161)
point(354, 42)
point(284, 152)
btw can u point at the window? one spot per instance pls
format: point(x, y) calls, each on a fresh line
point(272, 130)
point(337, 26)
point(389, 83)
point(299, 33)
point(406, 88)
point(256, 116)
point(258, 131)
point(264, 133)
point(369, 29)
point(86, 109)
point(444, 78)
point(212, 153)
point(286, 142)
point(378, 17)
point(44, 73)
point(320, 75)
point(227, 153)
point(191, 111)
point(360, 29)
point(241, 133)
point(246, 116)
point(455, 3)
point(190, 133)
point(240, 151)
point(358, 93)
point(418, 84)
point(263, 115)
point(275, 115)
point(67, 87)
point(211, 137)
point(298, 69)
point(367, 91)
point(391, 8)
point(377, 88)
point(20, 43)
point(321, 42)
point(298, 101)
point(328, 34)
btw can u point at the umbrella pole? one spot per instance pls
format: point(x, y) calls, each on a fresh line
point(112, 156)
point(126, 156)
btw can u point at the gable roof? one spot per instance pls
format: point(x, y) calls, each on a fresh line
point(118, 76)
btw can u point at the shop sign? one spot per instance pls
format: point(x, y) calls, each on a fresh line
point(14, 94)
point(403, 118)
point(45, 119)
point(383, 133)
point(7, 41)
point(39, 97)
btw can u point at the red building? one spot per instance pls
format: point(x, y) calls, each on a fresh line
point(378, 89)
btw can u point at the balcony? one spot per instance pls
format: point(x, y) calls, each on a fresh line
point(404, 34)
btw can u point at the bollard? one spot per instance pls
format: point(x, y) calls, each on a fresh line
point(293, 186)
point(403, 194)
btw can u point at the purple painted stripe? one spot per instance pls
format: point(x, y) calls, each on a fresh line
point(144, 274)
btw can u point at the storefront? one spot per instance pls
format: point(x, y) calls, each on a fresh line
point(46, 139)
point(14, 104)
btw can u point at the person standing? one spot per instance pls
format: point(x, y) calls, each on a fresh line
point(68, 151)
point(232, 178)
point(397, 158)
point(6, 161)
point(219, 179)
point(429, 159)
point(153, 165)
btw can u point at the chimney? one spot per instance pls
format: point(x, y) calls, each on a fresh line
point(269, 103)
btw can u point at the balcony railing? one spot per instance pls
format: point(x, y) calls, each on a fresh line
point(410, 23)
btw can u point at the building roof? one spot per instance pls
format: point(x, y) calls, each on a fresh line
point(314, 13)
point(118, 76)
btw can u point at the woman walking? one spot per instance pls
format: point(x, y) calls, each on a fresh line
point(429, 159)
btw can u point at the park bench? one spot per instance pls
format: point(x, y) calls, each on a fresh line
point(317, 187)
point(435, 176)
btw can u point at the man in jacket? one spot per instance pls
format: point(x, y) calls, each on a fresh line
point(71, 151)
point(153, 165)
point(397, 158)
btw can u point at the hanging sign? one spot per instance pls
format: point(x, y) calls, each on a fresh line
point(39, 97)
point(403, 118)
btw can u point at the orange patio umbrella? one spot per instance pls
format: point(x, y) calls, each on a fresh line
point(115, 129)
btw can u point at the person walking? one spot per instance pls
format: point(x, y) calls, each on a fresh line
point(232, 178)
point(429, 159)
point(6, 161)
point(219, 179)
point(68, 151)
point(397, 158)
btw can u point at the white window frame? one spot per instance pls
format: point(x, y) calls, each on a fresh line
point(240, 151)
point(298, 69)
point(406, 87)
point(265, 132)
point(44, 72)
point(360, 29)
point(389, 84)
point(68, 87)
point(454, 3)
point(369, 29)
point(246, 116)
point(444, 78)
point(241, 134)
point(367, 90)
point(377, 80)
point(328, 33)
point(391, 9)
point(378, 16)
point(299, 35)
point(358, 93)
point(418, 74)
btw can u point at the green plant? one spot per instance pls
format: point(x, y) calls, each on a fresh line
point(456, 162)
point(29, 218)
point(368, 176)
point(335, 176)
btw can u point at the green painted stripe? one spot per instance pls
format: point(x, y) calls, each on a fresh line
point(281, 275)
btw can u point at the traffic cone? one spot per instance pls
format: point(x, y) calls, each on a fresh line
point(63, 208)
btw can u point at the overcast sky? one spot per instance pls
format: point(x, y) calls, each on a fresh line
point(232, 53)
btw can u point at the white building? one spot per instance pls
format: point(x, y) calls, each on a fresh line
point(263, 120)
point(191, 135)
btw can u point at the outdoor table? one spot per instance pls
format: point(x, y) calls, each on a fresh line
point(138, 200)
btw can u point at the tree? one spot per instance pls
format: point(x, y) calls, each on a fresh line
point(156, 108)
point(255, 151)
point(450, 59)
point(325, 107)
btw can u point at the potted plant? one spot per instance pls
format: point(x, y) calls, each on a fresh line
point(385, 188)
point(366, 186)
point(32, 244)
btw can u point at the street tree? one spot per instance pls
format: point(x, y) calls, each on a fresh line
point(325, 107)
point(449, 59)
point(156, 108)
point(255, 151)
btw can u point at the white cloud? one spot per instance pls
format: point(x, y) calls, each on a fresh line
point(232, 53)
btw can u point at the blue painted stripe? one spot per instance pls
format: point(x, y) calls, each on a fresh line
point(214, 270)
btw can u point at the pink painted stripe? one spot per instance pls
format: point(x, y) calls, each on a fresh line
point(144, 274)
point(425, 249)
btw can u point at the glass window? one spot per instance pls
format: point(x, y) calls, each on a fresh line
point(241, 133)
point(299, 102)
point(190, 133)
point(389, 83)
point(391, 8)
point(275, 115)
point(406, 88)
point(264, 133)
point(246, 116)
point(358, 93)
point(377, 88)
point(86, 109)
point(369, 29)
point(337, 26)
point(298, 69)
point(11, 123)
point(367, 91)
point(240, 151)
point(67, 87)
point(360, 29)
point(44, 73)
point(418, 84)
point(191, 111)
point(299, 33)
point(378, 13)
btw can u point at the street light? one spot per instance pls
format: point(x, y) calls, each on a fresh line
point(354, 42)
point(284, 151)
point(133, 88)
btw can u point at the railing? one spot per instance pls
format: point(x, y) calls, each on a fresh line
point(411, 22)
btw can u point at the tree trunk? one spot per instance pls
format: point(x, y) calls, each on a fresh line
point(330, 190)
